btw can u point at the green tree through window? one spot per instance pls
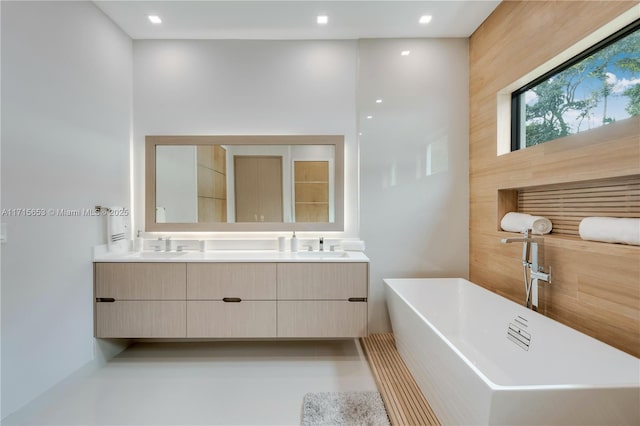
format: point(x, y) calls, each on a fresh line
point(598, 87)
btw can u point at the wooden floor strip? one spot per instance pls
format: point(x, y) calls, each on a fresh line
point(405, 403)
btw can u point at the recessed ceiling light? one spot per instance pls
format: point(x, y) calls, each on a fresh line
point(425, 19)
point(405, 53)
point(322, 19)
point(369, 117)
point(360, 134)
point(155, 19)
point(378, 101)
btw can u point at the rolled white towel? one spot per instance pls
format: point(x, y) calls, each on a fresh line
point(611, 230)
point(518, 222)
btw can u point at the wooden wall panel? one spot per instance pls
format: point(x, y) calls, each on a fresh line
point(212, 183)
point(596, 286)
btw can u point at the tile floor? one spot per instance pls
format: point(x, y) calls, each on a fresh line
point(205, 383)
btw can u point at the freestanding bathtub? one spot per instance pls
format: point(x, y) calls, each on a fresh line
point(481, 359)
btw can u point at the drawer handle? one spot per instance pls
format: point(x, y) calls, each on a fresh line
point(105, 300)
point(231, 299)
point(357, 299)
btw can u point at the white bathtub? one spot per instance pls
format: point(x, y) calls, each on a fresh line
point(452, 334)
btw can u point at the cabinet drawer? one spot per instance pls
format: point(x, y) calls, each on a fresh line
point(141, 281)
point(329, 281)
point(327, 318)
point(161, 318)
point(215, 281)
point(221, 319)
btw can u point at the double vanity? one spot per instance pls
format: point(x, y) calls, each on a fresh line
point(231, 294)
point(197, 184)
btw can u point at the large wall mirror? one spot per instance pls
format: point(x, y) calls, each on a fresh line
point(244, 183)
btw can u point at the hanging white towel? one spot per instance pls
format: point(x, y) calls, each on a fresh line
point(518, 222)
point(117, 230)
point(611, 230)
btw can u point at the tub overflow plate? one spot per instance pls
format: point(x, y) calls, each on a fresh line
point(517, 334)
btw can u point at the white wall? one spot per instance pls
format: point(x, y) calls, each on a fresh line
point(413, 161)
point(66, 96)
point(177, 182)
point(66, 111)
point(201, 87)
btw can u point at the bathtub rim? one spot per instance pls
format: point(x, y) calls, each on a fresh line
point(495, 386)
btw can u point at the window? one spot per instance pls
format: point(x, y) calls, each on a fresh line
point(597, 87)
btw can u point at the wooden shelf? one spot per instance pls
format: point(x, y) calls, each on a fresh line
point(566, 204)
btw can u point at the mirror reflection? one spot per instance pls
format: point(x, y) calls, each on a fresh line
point(228, 183)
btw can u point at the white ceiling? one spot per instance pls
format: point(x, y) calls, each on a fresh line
point(296, 20)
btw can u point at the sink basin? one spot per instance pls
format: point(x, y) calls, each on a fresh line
point(322, 254)
point(159, 254)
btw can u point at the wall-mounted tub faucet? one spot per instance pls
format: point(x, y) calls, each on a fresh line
point(531, 268)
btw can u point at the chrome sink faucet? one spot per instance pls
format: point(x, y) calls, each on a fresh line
point(321, 244)
point(532, 270)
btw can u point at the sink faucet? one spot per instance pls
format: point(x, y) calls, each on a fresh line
point(321, 244)
point(167, 244)
point(532, 266)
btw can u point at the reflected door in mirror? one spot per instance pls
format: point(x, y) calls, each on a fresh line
point(258, 188)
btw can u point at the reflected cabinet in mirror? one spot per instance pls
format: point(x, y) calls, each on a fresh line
point(244, 183)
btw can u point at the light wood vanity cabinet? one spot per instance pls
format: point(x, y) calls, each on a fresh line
point(231, 300)
point(322, 299)
point(140, 300)
point(246, 319)
point(215, 281)
point(322, 281)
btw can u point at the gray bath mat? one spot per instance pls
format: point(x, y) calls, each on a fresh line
point(344, 408)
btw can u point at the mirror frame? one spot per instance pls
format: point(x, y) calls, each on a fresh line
point(151, 142)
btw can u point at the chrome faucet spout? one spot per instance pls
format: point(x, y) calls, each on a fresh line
point(520, 240)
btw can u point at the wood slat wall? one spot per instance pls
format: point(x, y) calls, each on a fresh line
point(566, 205)
point(596, 286)
point(405, 403)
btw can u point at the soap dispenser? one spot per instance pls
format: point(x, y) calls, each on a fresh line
point(294, 243)
point(139, 242)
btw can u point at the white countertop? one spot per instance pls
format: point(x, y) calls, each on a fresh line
point(234, 256)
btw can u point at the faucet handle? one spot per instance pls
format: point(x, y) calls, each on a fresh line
point(308, 246)
point(180, 247)
point(548, 280)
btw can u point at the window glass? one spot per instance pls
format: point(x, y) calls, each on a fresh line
point(598, 87)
